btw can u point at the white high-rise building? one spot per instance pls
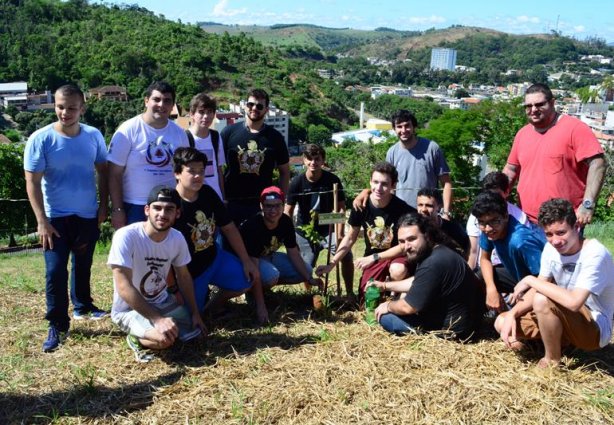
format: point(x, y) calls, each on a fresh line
point(443, 59)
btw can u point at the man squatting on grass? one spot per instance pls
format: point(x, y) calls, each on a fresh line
point(61, 162)
point(571, 301)
point(202, 213)
point(141, 256)
point(443, 295)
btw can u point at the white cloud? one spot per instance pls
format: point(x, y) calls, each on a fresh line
point(527, 19)
point(426, 20)
point(221, 10)
point(579, 28)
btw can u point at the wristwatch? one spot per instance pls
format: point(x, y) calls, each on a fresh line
point(588, 204)
point(375, 257)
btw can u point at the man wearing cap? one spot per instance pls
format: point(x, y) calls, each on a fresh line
point(141, 256)
point(263, 234)
point(253, 151)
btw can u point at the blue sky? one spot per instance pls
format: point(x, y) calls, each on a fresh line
point(579, 19)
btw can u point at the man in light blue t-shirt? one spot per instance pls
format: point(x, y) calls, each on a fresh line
point(519, 247)
point(61, 163)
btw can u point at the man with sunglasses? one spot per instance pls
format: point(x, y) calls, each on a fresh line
point(555, 156)
point(253, 151)
point(519, 247)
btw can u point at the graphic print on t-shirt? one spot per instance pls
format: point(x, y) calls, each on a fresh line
point(564, 271)
point(159, 152)
point(203, 231)
point(380, 236)
point(272, 247)
point(153, 281)
point(251, 159)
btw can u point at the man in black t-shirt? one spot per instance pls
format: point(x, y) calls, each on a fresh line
point(378, 220)
point(253, 151)
point(312, 192)
point(202, 212)
point(264, 233)
point(443, 295)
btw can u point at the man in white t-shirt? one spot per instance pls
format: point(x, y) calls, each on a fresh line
point(141, 155)
point(207, 140)
point(141, 256)
point(571, 301)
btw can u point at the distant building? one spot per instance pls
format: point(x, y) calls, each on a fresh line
point(443, 59)
point(109, 92)
point(14, 94)
point(363, 135)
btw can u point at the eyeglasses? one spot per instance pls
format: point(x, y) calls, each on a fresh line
point(539, 105)
point(259, 106)
point(492, 223)
point(272, 206)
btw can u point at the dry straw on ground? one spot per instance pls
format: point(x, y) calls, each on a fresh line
point(304, 369)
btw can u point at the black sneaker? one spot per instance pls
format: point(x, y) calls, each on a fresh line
point(54, 339)
point(94, 314)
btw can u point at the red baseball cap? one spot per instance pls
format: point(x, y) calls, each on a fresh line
point(272, 192)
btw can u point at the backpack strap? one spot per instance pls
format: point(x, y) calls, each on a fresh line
point(215, 141)
point(190, 138)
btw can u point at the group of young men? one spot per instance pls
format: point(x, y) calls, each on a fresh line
point(196, 208)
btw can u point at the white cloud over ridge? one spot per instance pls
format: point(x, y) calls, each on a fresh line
point(220, 10)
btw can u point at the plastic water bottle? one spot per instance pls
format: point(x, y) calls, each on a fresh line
point(372, 295)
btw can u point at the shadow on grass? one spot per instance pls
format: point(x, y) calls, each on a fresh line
point(83, 401)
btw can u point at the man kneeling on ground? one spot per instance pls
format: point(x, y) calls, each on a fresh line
point(141, 256)
point(571, 301)
point(443, 295)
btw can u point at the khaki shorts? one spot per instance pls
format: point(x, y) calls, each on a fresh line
point(133, 323)
point(579, 328)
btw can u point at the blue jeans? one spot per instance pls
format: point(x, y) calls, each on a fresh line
point(134, 213)
point(278, 269)
point(77, 236)
point(226, 272)
point(399, 325)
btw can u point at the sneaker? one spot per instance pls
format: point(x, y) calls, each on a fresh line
point(94, 314)
point(54, 339)
point(140, 354)
point(187, 336)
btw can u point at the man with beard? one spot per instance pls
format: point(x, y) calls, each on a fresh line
point(443, 295)
point(141, 256)
point(555, 156)
point(253, 151)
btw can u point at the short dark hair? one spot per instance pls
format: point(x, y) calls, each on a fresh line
point(204, 101)
point(556, 210)
point(184, 155)
point(312, 150)
point(496, 180)
point(162, 87)
point(403, 115)
point(386, 168)
point(259, 94)
point(71, 89)
point(489, 202)
point(540, 88)
point(431, 193)
point(427, 227)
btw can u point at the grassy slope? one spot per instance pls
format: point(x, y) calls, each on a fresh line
point(305, 368)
